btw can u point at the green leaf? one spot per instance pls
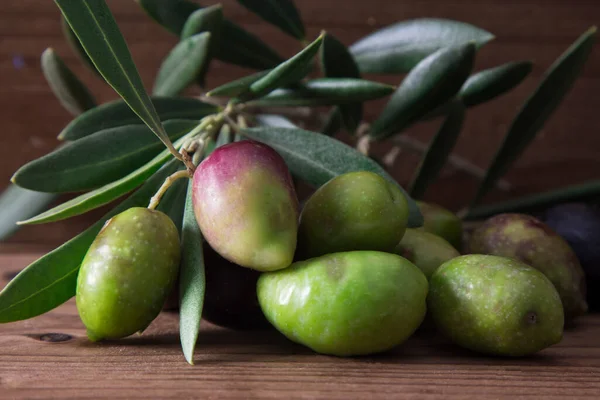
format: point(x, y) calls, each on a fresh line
point(237, 87)
point(209, 19)
point(182, 66)
point(556, 83)
point(281, 13)
point(580, 192)
point(237, 46)
point(192, 281)
point(430, 84)
point(103, 195)
point(99, 35)
point(438, 151)
point(51, 280)
point(17, 204)
point(76, 46)
point(400, 47)
point(98, 159)
point(334, 122)
point(337, 62)
point(117, 113)
point(325, 91)
point(274, 120)
point(316, 158)
point(173, 201)
point(72, 94)
point(490, 83)
point(288, 72)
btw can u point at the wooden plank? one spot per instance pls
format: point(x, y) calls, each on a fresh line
point(50, 357)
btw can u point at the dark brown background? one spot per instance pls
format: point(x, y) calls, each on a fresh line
point(566, 152)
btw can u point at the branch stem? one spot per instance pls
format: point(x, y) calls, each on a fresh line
point(155, 200)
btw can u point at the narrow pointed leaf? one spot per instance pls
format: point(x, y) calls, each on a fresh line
point(99, 35)
point(438, 151)
point(436, 79)
point(237, 87)
point(326, 91)
point(98, 159)
point(18, 204)
point(536, 110)
point(400, 47)
point(76, 46)
point(51, 280)
point(237, 46)
point(192, 281)
point(103, 195)
point(490, 83)
point(182, 66)
point(72, 94)
point(208, 19)
point(337, 62)
point(288, 72)
point(316, 158)
point(274, 120)
point(334, 122)
point(281, 13)
point(225, 136)
point(117, 113)
point(581, 192)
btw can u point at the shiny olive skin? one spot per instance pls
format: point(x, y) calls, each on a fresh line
point(495, 305)
point(442, 222)
point(426, 250)
point(346, 304)
point(246, 206)
point(354, 211)
point(127, 273)
point(529, 240)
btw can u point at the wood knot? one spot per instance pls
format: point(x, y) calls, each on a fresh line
point(55, 337)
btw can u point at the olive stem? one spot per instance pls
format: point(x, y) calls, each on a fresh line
point(155, 200)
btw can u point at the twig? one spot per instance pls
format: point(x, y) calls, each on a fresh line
point(454, 160)
point(155, 200)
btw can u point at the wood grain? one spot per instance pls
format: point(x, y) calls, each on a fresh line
point(50, 357)
point(566, 152)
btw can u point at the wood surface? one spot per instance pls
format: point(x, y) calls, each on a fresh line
point(566, 152)
point(50, 357)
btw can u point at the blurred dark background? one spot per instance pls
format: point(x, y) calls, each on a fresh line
point(566, 152)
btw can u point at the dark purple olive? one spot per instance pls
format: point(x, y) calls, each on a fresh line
point(579, 225)
point(230, 300)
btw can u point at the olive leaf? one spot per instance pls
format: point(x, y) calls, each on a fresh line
point(182, 65)
point(288, 72)
point(237, 87)
point(536, 110)
point(103, 195)
point(580, 192)
point(97, 30)
point(225, 136)
point(281, 13)
point(117, 113)
point(337, 62)
point(17, 204)
point(400, 47)
point(274, 120)
point(436, 79)
point(51, 280)
point(76, 46)
point(334, 122)
point(72, 94)
point(237, 46)
point(192, 280)
point(490, 83)
point(316, 158)
point(325, 91)
point(98, 159)
point(438, 151)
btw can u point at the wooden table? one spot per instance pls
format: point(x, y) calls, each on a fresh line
point(49, 356)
